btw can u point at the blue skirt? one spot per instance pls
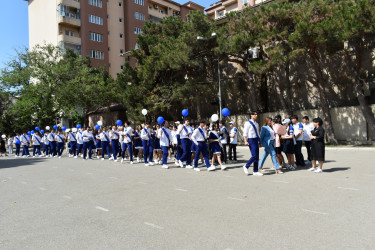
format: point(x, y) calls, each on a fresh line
point(157, 144)
point(193, 147)
point(215, 147)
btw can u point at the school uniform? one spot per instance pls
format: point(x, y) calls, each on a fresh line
point(193, 147)
point(233, 144)
point(72, 143)
point(10, 145)
point(154, 143)
point(52, 143)
point(79, 142)
point(288, 146)
point(199, 137)
point(127, 142)
point(114, 136)
point(165, 136)
point(45, 141)
point(104, 140)
point(185, 135)
point(145, 136)
point(60, 144)
point(298, 145)
point(98, 143)
point(138, 141)
point(307, 128)
point(36, 144)
point(179, 143)
point(251, 131)
point(224, 141)
point(17, 141)
point(216, 147)
point(87, 138)
point(25, 142)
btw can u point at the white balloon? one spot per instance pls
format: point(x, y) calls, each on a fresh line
point(67, 130)
point(100, 123)
point(144, 111)
point(74, 130)
point(3, 136)
point(48, 127)
point(214, 117)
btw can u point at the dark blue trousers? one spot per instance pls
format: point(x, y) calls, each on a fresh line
point(79, 148)
point(150, 152)
point(87, 146)
point(115, 148)
point(128, 146)
point(45, 149)
point(105, 147)
point(25, 150)
point(254, 149)
point(36, 150)
point(202, 148)
point(165, 154)
point(186, 146)
point(18, 149)
point(60, 148)
point(52, 146)
point(146, 149)
point(73, 148)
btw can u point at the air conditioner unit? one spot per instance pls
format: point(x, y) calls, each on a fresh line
point(155, 6)
point(178, 13)
point(78, 47)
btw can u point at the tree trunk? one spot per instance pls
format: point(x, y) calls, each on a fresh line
point(199, 115)
point(254, 93)
point(284, 105)
point(331, 138)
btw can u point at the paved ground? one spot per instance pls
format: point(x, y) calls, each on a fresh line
point(75, 204)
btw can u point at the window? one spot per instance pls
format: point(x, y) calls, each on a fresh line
point(140, 2)
point(95, 19)
point(120, 4)
point(64, 10)
point(97, 54)
point(109, 49)
point(69, 33)
point(120, 20)
point(139, 16)
point(137, 30)
point(121, 51)
point(121, 35)
point(97, 3)
point(122, 67)
point(96, 37)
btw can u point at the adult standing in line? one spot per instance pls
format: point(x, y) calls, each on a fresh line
point(267, 139)
point(52, 143)
point(36, 144)
point(185, 134)
point(199, 137)
point(252, 140)
point(317, 146)
point(223, 133)
point(104, 139)
point(298, 135)
point(146, 136)
point(17, 141)
point(233, 142)
point(307, 128)
point(114, 135)
point(60, 142)
point(72, 141)
point(127, 141)
point(165, 136)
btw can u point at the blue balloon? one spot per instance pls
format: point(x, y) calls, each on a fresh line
point(37, 128)
point(42, 131)
point(119, 122)
point(225, 112)
point(79, 126)
point(32, 132)
point(29, 132)
point(55, 127)
point(97, 127)
point(160, 119)
point(64, 128)
point(185, 112)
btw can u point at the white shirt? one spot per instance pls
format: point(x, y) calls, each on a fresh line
point(60, 138)
point(297, 129)
point(272, 133)
point(10, 141)
point(72, 136)
point(183, 132)
point(79, 137)
point(145, 134)
point(51, 137)
point(113, 135)
point(163, 137)
point(224, 137)
point(24, 140)
point(35, 141)
point(87, 136)
point(127, 133)
point(174, 136)
point(103, 136)
point(233, 131)
point(249, 131)
point(197, 135)
point(17, 138)
point(45, 139)
point(307, 128)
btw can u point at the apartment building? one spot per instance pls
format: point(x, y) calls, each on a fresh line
point(102, 29)
point(219, 10)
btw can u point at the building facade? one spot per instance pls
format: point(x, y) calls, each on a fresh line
point(104, 30)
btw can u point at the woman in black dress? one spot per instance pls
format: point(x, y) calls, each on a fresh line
point(317, 145)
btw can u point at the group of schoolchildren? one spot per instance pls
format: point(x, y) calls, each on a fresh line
point(188, 142)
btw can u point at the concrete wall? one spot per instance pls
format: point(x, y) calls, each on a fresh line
point(348, 122)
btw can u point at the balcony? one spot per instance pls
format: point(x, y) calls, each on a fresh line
point(69, 39)
point(71, 3)
point(69, 21)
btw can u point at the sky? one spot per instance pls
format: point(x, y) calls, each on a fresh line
point(14, 27)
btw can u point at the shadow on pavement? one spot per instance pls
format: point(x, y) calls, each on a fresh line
point(13, 163)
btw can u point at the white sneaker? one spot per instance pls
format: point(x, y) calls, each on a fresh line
point(176, 163)
point(34, 156)
point(189, 167)
point(151, 164)
point(245, 170)
point(160, 162)
point(131, 162)
point(60, 157)
point(75, 157)
point(197, 169)
point(111, 158)
point(257, 174)
point(122, 160)
point(180, 164)
point(311, 169)
point(55, 156)
point(164, 166)
point(137, 159)
point(223, 167)
point(156, 161)
point(319, 170)
point(116, 160)
point(97, 157)
point(126, 159)
point(212, 168)
point(169, 158)
point(102, 159)
point(146, 164)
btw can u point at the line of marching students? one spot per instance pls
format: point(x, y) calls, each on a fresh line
point(189, 143)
